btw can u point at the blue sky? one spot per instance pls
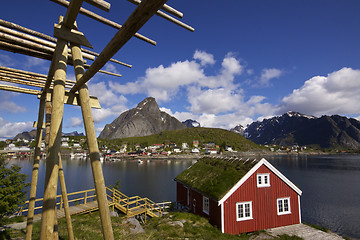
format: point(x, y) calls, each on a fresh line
point(247, 60)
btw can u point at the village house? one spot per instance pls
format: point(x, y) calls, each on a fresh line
point(176, 149)
point(239, 195)
point(64, 144)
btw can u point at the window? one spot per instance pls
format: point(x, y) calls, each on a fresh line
point(283, 206)
point(206, 205)
point(243, 211)
point(263, 180)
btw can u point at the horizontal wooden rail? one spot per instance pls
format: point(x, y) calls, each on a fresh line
point(131, 206)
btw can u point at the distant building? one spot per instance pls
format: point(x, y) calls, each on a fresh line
point(195, 150)
point(196, 143)
point(229, 149)
point(184, 146)
point(176, 150)
point(257, 198)
point(210, 151)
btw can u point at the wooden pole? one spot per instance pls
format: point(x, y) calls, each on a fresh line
point(48, 38)
point(103, 20)
point(24, 50)
point(52, 161)
point(35, 171)
point(23, 72)
point(137, 19)
point(26, 30)
point(66, 202)
point(93, 147)
point(26, 81)
point(100, 4)
point(167, 17)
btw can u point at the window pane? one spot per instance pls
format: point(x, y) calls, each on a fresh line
point(247, 210)
point(265, 179)
point(259, 180)
point(286, 205)
point(280, 206)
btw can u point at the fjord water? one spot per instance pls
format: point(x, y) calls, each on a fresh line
point(330, 184)
point(330, 187)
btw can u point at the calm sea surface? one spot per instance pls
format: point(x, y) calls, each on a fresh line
point(330, 184)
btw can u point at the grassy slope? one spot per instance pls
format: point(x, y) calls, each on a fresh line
point(188, 135)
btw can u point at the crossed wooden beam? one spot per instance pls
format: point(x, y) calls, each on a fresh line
point(55, 91)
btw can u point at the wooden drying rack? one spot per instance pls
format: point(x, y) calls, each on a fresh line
point(55, 91)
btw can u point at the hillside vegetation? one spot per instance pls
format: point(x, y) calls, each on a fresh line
point(188, 135)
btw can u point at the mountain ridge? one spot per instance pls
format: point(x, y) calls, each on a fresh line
point(293, 128)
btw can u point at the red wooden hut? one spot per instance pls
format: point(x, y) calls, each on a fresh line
point(239, 195)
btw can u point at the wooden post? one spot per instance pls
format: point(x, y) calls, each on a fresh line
point(85, 197)
point(93, 146)
point(52, 161)
point(35, 171)
point(66, 202)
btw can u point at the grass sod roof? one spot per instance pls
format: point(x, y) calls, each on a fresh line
point(214, 177)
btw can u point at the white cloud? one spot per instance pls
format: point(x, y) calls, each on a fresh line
point(163, 83)
point(37, 65)
point(105, 95)
point(266, 76)
point(100, 115)
point(76, 122)
point(11, 107)
point(6, 104)
point(9, 130)
point(204, 58)
point(6, 61)
point(337, 93)
point(109, 67)
point(213, 101)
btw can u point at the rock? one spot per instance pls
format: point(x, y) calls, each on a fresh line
point(176, 223)
point(113, 214)
point(137, 227)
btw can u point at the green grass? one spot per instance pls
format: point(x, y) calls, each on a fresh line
point(287, 237)
point(324, 229)
point(88, 227)
point(214, 177)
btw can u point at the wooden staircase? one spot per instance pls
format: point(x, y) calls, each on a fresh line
point(133, 206)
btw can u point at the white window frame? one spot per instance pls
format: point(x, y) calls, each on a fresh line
point(206, 205)
point(241, 206)
point(262, 177)
point(281, 205)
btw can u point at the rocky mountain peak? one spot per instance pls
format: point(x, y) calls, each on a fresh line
point(149, 104)
point(238, 129)
point(145, 119)
point(191, 123)
point(297, 114)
